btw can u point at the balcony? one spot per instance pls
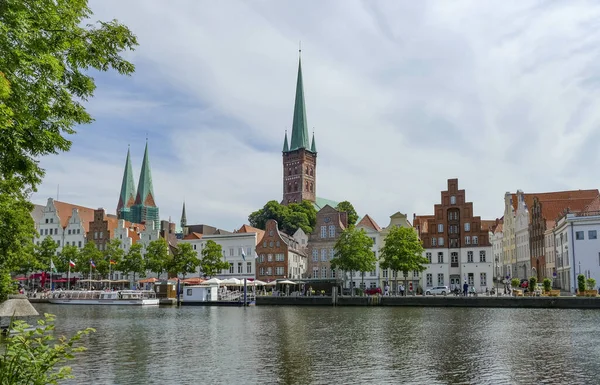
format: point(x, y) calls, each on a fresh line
point(453, 264)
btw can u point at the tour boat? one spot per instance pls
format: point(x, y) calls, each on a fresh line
point(97, 297)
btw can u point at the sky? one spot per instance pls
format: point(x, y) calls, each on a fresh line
point(401, 95)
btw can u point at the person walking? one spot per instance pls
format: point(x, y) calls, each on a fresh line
point(466, 289)
point(402, 290)
point(386, 289)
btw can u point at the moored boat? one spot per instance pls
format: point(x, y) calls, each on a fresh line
point(97, 297)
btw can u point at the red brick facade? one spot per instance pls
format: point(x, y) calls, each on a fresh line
point(329, 225)
point(279, 255)
point(299, 176)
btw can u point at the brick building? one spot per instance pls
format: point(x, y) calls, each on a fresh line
point(329, 225)
point(456, 243)
point(279, 255)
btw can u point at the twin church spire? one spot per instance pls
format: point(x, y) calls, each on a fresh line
point(138, 206)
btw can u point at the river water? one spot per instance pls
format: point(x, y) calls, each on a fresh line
point(326, 345)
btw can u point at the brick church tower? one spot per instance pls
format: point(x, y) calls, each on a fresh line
point(299, 158)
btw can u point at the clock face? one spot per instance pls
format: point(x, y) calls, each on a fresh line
point(327, 219)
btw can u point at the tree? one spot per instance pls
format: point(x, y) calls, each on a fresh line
point(291, 217)
point(88, 253)
point(32, 355)
point(133, 261)
point(185, 260)
point(112, 253)
point(45, 251)
point(212, 261)
point(157, 256)
point(349, 209)
point(68, 253)
point(353, 252)
point(46, 53)
point(403, 251)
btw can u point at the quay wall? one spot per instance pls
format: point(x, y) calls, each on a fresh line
point(438, 301)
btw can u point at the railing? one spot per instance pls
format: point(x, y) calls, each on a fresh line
point(454, 264)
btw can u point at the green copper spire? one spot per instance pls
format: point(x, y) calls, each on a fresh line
point(127, 196)
point(145, 194)
point(299, 127)
point(183, 218)
point(286, 148)
point(313, 146)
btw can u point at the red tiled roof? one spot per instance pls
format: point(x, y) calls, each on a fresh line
point(488, 224)
point(421, 220)
point(367, 221)
point(552, 209)
point(593, 205)
point(65, 210)
point(250, 229)
point(193, 236)
point(563, 195)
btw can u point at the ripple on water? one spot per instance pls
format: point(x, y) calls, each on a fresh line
point(294, 345)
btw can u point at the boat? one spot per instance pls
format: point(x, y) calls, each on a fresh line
point(98, 297)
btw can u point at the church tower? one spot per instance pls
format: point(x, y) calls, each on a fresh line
point(299, 156)
point(127, 196)
point(144, 209)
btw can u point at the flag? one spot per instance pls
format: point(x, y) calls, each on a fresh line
point(113, 262)
point(255, 255)
point(71, 263)
point(243, 255)
point(93, 264)
point(52, 267)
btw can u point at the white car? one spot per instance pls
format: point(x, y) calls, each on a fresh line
point(437, 290)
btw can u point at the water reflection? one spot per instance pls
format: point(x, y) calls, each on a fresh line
point(296, 345)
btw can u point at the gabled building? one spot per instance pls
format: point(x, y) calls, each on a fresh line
point(102, 229)
point(496, 239)
point(329, 225)
point(370, 279)
point(456, 243)
point(279, 255)
point(387, 276)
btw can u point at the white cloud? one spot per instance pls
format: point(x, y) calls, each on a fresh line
point(402, 96)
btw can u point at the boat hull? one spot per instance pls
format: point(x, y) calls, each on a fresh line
point(120, 302)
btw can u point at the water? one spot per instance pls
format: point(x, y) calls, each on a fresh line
point(324, 345)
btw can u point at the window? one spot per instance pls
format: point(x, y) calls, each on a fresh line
point(269, 271)
point(441, 241)
point(315, 255)
point(440, 227)
point(482, 256)
point(433, 241)
point(385, 273)
point(323, 255)
point(428, 256)
point(467, 240)
point(323, 231)
point(230, 267)
point(441, 279)
point(231, 251)
point(372, 273)
point(101, 234)
point(452, 200)
point(469, 256)
point(70, 233)
point(248, 267)
point(95, 235)
point(271, 244)
point(482, 279)
point(579, 235)
point(265, 244)
point(454, 259)
point(467, 226)
point(79, 243)
point(46, 220)
point(323, 272)
point(58, 243)
point(592, 234)
point(471, 280)
point(279, 257)
point(331, 231)
point(440, 257)
point(78, 231)
point(332, 273)
point(415, 274)
point(331, 254)
point(51, 231)
point(240, 270)
point(270, 257)
point(475, 240)
point(429, 280)
point(315, 272)
point(249, 251)
point(51, 220)
point(261, 258)
point(279, 270)
point(277, 244)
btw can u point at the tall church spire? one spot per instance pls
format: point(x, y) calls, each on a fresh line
point(313, 146)
point(183, 218)
point(145, 193)
point(286, 148)
point(127, 196)
point(299, 126)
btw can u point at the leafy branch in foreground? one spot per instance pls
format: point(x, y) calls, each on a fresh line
point(35, 356)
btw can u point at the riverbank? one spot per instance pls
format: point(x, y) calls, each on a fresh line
point(437, 301)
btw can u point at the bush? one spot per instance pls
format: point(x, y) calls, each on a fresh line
point(515, 282)
point(33, 356)
point(581, 283)
point(532, 284)
point(591, 284)
point(547, 284)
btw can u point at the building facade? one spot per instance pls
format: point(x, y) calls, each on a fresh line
point(497, 241)
point(329, 225)
point(522, 267)
point(456, 243)
point(279, 255)
point(369, 279)
point(387, 276)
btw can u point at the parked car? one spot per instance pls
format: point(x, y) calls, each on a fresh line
point(443, 290)
point(373, 291)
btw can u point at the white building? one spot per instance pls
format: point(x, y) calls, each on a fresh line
point(522, 268)
point(370, 279)
point(148, 234)
point(508, 236)
point(577, 248)
point(497, 241)
point(550, 252)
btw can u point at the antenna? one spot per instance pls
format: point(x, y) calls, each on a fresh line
point(300, 47)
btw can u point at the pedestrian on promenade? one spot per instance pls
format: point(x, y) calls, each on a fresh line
point(466, 289)
point(402, 290)
point(386, 289)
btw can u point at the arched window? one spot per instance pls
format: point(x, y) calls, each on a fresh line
point(296, 186)
point(289, 171)
point(311, 171)
point(311, 187)
point(295, 170)
point(289, 189)
point(306, 186)
point(307, 170)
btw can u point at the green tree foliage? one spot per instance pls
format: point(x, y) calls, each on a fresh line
point(184, 261)
point(36, 356)
point(112, 252)
point(591, 283)
point(157, 256)
point(46, 53)
point(581, 283)
point(68, 253)
point(212, 261)
point(547, 284)
point(133, 261)
point(289, 217)
point(353, 252)
point(532, 284)
point(45, 251)
point(515, 282)
point(87, 254)
point(403, 251)
point(349, 209)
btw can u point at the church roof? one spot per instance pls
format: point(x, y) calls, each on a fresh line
point(322, 202)
point(145, 193)
point(313, 146)
point(127, 196)
point(286, 147)
point(299, 125)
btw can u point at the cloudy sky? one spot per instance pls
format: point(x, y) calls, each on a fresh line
point(402, 95)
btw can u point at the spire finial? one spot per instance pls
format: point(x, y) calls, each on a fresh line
point(300, 48)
